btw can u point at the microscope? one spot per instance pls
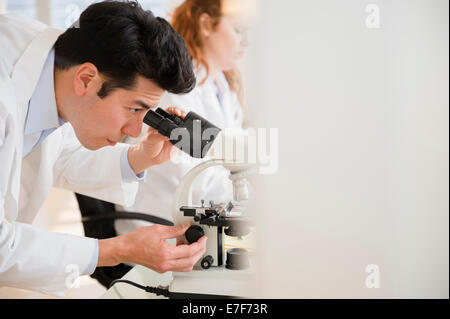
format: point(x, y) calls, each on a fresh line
point(220, 273)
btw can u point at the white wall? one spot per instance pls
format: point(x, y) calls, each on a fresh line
point(63, 13)
point(3, 6)
point(363, 124)
point(43, 11)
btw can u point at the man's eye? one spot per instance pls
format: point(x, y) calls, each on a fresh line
point(134, 111)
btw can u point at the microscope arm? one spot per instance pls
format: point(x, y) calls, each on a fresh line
point(183, 195)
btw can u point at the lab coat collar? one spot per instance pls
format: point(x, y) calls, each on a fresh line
point(29, 66)
point(221, 83)
point(42, 111)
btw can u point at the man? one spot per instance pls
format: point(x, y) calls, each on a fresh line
point(100, 76)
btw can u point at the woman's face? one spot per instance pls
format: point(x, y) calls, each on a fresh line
point(225, 44)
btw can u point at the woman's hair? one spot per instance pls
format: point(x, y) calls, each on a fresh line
point(186, 21)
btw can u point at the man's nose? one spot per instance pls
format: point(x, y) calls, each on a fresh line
point(134, 128)
point(244, 41)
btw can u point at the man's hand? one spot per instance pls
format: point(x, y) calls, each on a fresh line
point(147, 246)
point(153, 149)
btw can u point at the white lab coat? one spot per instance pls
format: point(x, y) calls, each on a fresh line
point(31, 258)
point(156, 194)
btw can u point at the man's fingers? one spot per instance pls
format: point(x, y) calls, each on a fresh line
point(168, 232)
point(186, 264)
point(174, 151)
point(154, 134)
point(176, 111)
point(187, 251)
point(182, 257)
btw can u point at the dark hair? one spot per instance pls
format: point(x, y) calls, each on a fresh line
point(123, 41)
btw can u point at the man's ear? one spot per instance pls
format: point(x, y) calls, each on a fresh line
point(206, 25)
point(87, 79)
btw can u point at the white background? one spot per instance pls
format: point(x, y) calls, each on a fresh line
point(363, 162)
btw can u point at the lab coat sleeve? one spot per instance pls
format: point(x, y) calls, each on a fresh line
point(31, 258)
point(96, 174)
point(34, 259)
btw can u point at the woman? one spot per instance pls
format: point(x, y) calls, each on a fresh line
point(216, 39)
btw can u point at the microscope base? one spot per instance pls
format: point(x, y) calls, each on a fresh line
point(213, 283)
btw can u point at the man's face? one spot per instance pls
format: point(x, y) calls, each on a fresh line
point(105, 122)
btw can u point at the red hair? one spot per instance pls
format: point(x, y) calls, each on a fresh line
point(186, 21)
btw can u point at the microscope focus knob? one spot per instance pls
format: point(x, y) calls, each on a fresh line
point(194, 233)
point(207, 262)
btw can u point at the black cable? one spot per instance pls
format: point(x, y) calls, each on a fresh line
point(126, 215)
point(159, 291)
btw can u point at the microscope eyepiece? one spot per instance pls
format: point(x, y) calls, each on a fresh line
point(194, 134)
point(164, 125)
point(172, 117)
